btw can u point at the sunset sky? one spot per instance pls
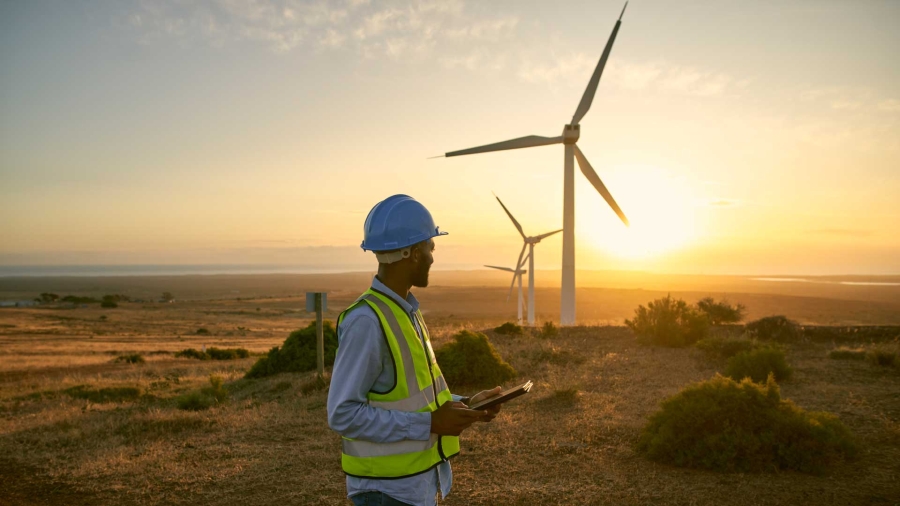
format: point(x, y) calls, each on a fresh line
point(738, 137)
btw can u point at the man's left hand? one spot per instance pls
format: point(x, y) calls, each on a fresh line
point(492, 411)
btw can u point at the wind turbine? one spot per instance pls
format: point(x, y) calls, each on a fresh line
point(569, 137)
point(517, 274)
point(529, 242)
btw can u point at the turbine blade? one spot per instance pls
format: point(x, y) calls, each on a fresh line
point(507, 269)
point(516, 223)
point(548, 234)
point(592, 176)
point(518, 266)
point(588, 96)
point(522, 142)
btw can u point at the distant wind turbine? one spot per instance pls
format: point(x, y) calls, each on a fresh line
point(529, 242)
point(517, 274)
point(569, 137)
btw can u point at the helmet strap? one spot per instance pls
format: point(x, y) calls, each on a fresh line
point(389, 257)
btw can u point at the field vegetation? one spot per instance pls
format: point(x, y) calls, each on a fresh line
point(79, 427)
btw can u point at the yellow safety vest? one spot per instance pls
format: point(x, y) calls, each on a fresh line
point(419, 386)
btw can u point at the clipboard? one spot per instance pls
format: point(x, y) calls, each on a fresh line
point(504, 396)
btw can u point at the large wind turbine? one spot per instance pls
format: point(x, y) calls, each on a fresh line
point(517, 275)
point(529, 242)
point(568, 138)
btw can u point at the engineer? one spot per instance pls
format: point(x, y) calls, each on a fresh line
point(388, 399)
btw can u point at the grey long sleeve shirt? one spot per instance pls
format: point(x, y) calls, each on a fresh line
point(363, 363)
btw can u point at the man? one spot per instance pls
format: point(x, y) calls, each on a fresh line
point(388, 399)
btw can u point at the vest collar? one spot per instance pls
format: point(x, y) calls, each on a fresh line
point(410, 305)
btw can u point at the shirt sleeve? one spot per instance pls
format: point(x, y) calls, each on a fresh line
point(356, 368)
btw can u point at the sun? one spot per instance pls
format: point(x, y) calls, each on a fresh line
point(659, 207)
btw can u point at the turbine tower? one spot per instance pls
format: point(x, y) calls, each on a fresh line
point(569, 137)
point(529, 242)
point(517, 274)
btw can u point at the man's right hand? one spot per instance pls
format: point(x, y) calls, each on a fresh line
point(454, 417)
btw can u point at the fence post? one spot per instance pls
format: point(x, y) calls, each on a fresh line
point(320, 337)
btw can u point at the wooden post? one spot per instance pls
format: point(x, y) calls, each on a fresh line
point(320, 337)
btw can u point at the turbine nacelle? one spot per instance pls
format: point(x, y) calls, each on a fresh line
point(571, 133)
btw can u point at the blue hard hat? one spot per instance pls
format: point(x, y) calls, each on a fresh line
point(397, 222)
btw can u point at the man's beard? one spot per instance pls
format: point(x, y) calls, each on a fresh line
point(420, 277)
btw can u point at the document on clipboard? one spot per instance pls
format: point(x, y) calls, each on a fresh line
point(504, 396)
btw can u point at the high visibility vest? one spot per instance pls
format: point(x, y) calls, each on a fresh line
point(418, 386)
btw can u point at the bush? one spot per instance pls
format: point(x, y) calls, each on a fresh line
point(109, 304)
point(882, 357)
point(192, 353)
point(298, 353)
point(508, 329)
point(669, 322)
point(471, 360)
point(758, 364)
point(549, 330)
point(132, 358)
point(202, 331)
point(213, 353)
point(720, 312)
point(844, 353)
point(724, 348)
point(227, 353)
point(775, 328)
point(215, 393)
point(724, 425)
point(103, 395)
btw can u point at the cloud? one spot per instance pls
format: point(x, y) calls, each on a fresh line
point(632, 75)
point(391, 28)
point(720, 202)
point(570, 68)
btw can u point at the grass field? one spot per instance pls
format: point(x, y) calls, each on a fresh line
point(79, 428)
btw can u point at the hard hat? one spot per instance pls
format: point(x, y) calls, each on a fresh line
point(396, 223)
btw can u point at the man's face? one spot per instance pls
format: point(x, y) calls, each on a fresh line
point(422, 257)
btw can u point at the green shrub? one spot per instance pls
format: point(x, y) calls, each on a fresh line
point(132, 358)
point(724, 425)
point(509, 329)
point(193, 401)
point(202, 331)
point(721, 312)
point(471, 360)
point(192, 353)
point(109, 304)
point(758, 364)
point(882, 357)
point(103, 395)
point(669, 322)
point(214, 394)
point(775, 328)
point(297, 354)
point(723, 347)
point(227, 353)
point(213, 353)
point(845, 353)
point(549, 330)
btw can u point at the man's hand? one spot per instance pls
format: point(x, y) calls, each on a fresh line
point(492, 411)
point(454, 417)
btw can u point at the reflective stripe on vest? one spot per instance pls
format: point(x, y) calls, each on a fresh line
point(419, 387)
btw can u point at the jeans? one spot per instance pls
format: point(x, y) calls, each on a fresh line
point(375, 499)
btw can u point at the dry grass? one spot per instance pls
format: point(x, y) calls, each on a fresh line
point(570, 441)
